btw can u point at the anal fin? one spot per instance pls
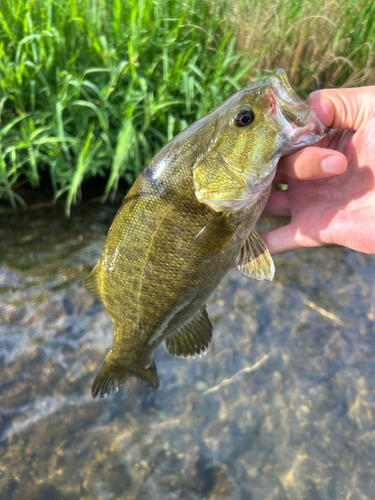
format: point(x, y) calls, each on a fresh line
point(254, 259)
point(193, 338)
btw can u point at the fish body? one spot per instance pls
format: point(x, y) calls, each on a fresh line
point(190, 214)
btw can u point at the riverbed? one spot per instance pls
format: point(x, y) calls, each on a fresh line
point(281, 407)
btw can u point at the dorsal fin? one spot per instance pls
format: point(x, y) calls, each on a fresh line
point(254, 259)
point(193, 338)
point(93, 284)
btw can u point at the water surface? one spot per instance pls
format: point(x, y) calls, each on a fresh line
point(281, 407)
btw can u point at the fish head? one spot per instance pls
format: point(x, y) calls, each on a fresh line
point(253, 129)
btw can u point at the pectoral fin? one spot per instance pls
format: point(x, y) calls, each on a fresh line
point(213, 236)
point(254, 260)
point(193, 338)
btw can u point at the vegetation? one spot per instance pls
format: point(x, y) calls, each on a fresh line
point(96, 87)
point(326, 43)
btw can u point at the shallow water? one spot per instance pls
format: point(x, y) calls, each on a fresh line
point(281, 407)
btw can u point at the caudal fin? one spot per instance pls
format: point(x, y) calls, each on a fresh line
point(112, 374)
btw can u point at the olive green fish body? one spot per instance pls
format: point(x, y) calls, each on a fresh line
point(151, 279)
point(190, 214)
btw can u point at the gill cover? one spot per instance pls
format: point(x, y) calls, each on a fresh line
point(243, 155)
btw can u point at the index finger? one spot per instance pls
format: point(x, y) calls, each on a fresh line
point(343, 108)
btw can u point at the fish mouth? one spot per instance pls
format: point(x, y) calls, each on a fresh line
point(300, 127)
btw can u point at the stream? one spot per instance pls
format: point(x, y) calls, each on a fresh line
point(282, 407)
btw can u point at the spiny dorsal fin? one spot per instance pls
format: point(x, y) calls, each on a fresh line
point(193, 338)
point(254, 259)
point(93, 285)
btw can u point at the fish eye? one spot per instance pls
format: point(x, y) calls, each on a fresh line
point(244, 117)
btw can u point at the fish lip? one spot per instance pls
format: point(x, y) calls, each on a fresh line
point(313, 131)
point(295, 118)
point(300, 137)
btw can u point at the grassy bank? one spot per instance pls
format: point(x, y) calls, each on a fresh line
point(326, 43)
point(95, 87)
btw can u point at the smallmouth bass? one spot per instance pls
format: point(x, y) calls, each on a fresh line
point(190, 214)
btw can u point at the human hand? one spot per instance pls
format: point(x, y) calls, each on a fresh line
point(327, 208)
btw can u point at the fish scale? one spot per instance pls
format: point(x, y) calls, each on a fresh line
point(189, 215)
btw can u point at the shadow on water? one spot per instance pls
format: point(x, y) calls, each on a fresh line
point(281, 407)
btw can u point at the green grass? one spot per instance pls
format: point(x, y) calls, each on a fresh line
point(96, 87)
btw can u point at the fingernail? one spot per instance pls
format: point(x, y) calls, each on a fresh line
point(333, 165)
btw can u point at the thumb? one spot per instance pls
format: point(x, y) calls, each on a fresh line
point(343, 108)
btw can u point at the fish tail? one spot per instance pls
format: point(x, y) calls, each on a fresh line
point(112, 374)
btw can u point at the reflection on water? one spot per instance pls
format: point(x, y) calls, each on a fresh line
point(281, 407)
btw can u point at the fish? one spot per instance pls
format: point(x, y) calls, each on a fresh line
point(190, 215)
